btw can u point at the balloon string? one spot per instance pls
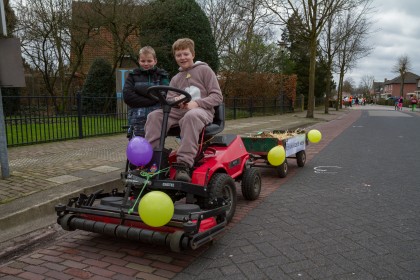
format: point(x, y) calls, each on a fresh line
point(148, 177)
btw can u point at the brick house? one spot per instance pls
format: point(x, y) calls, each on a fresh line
point(392, 87)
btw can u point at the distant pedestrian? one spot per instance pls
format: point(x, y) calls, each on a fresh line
point(396, 103)
point(400, 103)
point(413, 103)
point(346, 101)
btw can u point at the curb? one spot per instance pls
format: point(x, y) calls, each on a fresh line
point(20, 220)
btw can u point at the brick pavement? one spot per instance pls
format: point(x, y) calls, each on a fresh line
point(82, 255)
point(90, 256)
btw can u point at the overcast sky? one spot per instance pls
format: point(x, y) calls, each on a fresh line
point(398, 33)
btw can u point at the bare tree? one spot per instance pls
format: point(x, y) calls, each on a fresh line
point(354, 27)
point(336, 34)
point(313, 15)
point(366, 85)
point(348, 86)
point(54, 35)
point(402, 66)
point(224, 21)
point(43, 27)
point(241, 32)
point(329, 45)
point(120, 18)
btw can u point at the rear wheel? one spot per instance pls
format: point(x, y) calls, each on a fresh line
point(301, 158)
point(223, 186)
point(251, 183)
point(282, 169)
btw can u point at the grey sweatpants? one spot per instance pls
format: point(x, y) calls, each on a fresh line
point(191, 123)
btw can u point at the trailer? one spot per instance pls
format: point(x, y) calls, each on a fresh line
point(260, 144)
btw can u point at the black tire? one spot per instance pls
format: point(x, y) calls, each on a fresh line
point(251, 183)
point(223, 186)
point(282, 169)
point(301, 158)
point(175, 242)
point(65, 222)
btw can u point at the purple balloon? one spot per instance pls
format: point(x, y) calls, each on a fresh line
point(139, 151)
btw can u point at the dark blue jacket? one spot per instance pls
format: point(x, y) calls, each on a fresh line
point(137, 83)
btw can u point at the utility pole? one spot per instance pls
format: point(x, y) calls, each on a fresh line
point(4, 157)
point(11, 75)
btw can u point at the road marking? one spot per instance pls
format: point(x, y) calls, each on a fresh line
point(326, 169)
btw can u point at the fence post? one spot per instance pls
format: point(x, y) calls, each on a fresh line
point(250, 107)
point(234, 108)
point(302, 98)
point(263, 102)
point(79, 113)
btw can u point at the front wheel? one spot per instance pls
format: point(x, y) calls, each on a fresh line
point(282, 169)
point(223, 186)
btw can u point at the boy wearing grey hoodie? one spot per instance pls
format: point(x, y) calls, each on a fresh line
point(199, 80)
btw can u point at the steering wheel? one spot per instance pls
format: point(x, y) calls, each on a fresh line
point(158, 93)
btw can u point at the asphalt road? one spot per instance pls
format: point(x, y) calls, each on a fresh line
point(351, 213)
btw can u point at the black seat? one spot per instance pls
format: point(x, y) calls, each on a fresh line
point(212, 129)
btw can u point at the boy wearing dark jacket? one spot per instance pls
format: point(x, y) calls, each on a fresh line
point(135, 89)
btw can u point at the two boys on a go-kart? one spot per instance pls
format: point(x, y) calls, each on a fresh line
point(200, 175)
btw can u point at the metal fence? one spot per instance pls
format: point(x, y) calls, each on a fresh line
point(40, 119)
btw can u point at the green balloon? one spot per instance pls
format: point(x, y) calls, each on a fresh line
point(156, 209)
point(276, 155)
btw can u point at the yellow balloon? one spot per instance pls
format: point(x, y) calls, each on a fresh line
point(156, 209)
point(314, 136)
point(276, 155)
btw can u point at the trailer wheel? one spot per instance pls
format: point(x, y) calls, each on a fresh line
point(301, 158)
point(223, 186)
point(282, 169)
point(251, 183)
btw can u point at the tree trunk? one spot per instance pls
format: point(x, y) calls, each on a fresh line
point(312, 64)
point(328, 92)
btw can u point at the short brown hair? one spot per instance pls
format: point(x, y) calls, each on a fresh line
point(147, 50)
point(182, 44)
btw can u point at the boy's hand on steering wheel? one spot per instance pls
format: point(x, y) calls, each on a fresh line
point(190, 105)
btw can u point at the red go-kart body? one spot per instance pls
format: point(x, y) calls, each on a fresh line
point(202, 207)
point(219, 157)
